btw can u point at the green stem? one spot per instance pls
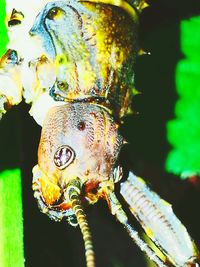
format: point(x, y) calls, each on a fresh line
point(11, 219)
point(3, 30)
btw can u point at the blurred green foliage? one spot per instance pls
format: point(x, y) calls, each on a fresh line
point(3, 30)
point(184, 130)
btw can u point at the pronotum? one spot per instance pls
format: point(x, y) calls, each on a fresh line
point(77, 73)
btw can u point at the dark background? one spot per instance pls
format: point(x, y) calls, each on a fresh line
point(51, 244)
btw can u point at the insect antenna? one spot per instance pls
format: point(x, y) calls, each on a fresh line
point(73, 193)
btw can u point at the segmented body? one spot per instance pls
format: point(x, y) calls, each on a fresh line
point(77, 71)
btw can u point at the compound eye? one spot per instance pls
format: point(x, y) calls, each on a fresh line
point(63, 157)
point(55, 13)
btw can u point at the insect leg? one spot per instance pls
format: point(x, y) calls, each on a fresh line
point(159, 222)
point(121, 216)
point(73, 192)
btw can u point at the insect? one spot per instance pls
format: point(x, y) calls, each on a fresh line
point(77, 72)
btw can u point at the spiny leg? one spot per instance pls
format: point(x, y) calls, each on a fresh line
point(158, 220)
point(121, 216)
point(73, 193)
point(143, 246)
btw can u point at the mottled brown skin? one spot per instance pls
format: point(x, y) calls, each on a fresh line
point(95, 46)
point(93, 135)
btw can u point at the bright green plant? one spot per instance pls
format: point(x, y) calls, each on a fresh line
point(184, 130)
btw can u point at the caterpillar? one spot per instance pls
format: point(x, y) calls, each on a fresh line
point(77, 72)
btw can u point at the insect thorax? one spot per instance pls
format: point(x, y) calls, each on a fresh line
point(94, 52)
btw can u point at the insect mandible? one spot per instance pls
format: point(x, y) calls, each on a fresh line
point(77, 72)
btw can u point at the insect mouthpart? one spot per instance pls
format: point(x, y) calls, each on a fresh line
point(63, 157)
